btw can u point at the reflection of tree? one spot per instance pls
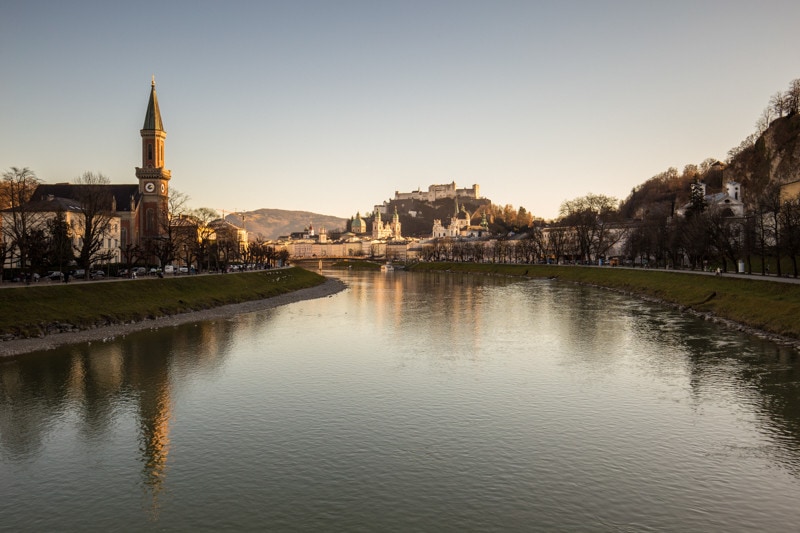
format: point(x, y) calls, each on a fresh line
point(95, 381)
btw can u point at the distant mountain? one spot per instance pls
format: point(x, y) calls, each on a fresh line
point(273, 223)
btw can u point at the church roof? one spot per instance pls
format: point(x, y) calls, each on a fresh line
point(122, 193)
point(50, 204)
point(152, 118)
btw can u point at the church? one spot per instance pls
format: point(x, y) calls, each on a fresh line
point(138, 211)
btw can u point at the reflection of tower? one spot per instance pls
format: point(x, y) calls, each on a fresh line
point(154, 410)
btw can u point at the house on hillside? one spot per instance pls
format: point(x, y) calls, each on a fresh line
point(729, 200)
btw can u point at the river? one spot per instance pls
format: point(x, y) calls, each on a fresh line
point(425, 402)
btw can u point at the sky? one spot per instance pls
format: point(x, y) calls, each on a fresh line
point(332, 106)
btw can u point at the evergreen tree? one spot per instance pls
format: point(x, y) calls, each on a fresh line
point(60, 252)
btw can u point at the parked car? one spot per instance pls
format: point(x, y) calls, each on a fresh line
point(123, 273)
point(169, 269)
point(80, 273)
point(55, 275)
point(98, 274)
point(183, 270)
point(140, 271)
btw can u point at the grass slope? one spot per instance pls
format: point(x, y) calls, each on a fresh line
point(28, 311)
point(765, 305)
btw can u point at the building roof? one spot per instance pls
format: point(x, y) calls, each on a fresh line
point(122, 194)
point(51, 204)
point(152, 118)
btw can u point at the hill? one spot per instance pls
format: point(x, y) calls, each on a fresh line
point(771, 157)
point(774, 157)
point(273, 223)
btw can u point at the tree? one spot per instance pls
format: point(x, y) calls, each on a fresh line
point(790, 225)
point(21, 220)
point(778, 104)
point(764, 120)
point(591, 217)
point(171, 237)
point(60, 249)
point(96, 207)
point(203, 218)
point(793, 97)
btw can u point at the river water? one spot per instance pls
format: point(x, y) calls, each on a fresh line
point(409, 402)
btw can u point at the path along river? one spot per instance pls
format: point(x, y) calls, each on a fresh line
point(429, 402)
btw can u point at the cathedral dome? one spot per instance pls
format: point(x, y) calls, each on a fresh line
point(358, 225)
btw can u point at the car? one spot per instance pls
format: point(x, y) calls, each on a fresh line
point(80, 273)
point(55, 275)
point(123, 273)
point(98, 274)
point(183, 270)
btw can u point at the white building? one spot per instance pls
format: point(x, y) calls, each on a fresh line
point(437, 192)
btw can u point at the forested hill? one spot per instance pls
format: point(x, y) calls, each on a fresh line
point(273, 223)
point(771, 157)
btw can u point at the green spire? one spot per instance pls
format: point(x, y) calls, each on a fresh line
point(152, 118)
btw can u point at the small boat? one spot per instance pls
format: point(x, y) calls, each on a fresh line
point(387, 268)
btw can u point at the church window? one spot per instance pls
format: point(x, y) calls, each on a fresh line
point(150, 220)
point(149, 152)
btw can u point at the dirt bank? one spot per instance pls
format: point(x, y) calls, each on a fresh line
point(48, 342)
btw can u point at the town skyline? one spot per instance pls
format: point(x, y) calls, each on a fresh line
point(331, 107)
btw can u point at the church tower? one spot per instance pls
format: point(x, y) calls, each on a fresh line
point(153, 177)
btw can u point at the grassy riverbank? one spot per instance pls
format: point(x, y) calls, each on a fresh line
point(29, 311)
point(768, 306)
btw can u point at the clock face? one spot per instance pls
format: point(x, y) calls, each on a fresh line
point(149, 186)
point(163, 188)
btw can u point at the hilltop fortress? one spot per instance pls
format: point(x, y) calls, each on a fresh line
point(436, 192)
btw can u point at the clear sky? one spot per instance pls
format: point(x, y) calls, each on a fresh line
point(330, 106)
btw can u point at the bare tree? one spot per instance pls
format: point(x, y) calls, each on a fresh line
point(591, 217)
point(764, 120)
point(171, 237)
point(203, 217)
point(778, 103)
point(793, 97)
point(96, 207)
point(20, 221)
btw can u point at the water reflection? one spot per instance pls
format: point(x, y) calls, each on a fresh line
point(95, 385)
point(500, 397)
